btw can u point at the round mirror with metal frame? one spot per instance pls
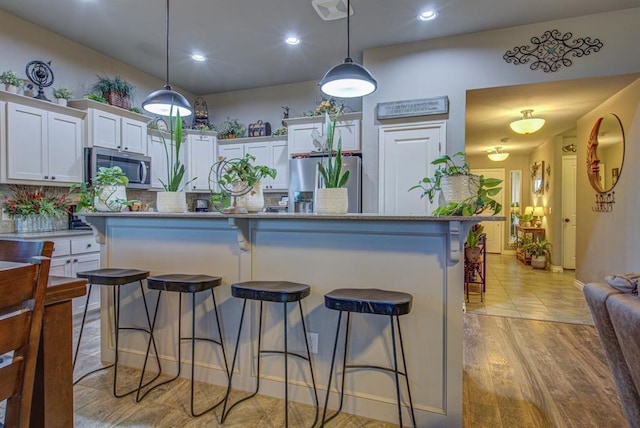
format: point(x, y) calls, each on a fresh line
point(605, 153)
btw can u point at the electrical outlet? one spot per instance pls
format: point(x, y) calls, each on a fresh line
point(312, 338)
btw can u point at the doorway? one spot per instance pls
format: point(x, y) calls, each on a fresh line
point(569, 170)
point(494, 230)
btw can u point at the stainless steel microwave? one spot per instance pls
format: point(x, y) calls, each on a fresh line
point(136, 167)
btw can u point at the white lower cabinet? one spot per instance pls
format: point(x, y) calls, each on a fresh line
point(77, 254)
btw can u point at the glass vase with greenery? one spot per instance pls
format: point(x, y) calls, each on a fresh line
point(330, 167)
point(175, 167)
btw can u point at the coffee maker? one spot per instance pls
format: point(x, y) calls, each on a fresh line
point(202, 206)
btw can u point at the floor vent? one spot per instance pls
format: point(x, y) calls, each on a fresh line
point(331, 9)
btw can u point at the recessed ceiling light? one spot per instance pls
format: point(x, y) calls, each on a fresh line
point(292, 40)
point(198, 57)
point(428, 15)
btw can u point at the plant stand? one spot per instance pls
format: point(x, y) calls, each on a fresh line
point(475, 270)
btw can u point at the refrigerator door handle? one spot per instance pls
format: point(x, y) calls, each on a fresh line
point(317, 185)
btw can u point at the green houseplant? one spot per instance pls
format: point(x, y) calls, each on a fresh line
point(173, 199)
point(11, 81)
point(332, 198)
point(462, 193)
point(472, 248)
point(240, 176)
point(230, 128)
point(36, 210)
point(117, 91)
point(62, 95)
point(540, 252)
point(106, 193)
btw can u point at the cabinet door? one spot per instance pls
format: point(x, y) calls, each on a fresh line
point(231, 151)
point(156, 152)
point(60, 266)
point(80, 264)
point(349, 131)
point(134, 136)
point(105, 129)
point(201, 155)
point(26, 138)
point(300, 139)
point(280, 162)
point(64, 148)
point(261, 152)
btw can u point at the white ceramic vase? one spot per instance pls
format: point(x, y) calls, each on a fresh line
point(62, 101)
point(253, 201)
point(171, 202)
point(11, 89)
point(111, 198)
point(332, 201)
point(458, 188)
point(539, 262)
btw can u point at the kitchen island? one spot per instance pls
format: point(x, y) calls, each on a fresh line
point(415, 254)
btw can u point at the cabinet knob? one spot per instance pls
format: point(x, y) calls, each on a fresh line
point(53, 177)
point(69, 261)
point(75, 260)
point(194, 186)
point(46, 177)
point(566, 220)
point(88, 245)
point(126, 148)
point(119, 146)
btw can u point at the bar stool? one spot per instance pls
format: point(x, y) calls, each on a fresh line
point(191, 284)
point(369, 301)
point(278, 292)
point(115, 278)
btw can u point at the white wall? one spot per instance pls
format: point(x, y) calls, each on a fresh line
point(452, 65)
point(74, 66)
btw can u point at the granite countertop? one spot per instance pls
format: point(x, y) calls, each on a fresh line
point(302, 216)
point(44, 235)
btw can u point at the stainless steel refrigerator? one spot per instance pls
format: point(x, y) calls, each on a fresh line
point(304, 179)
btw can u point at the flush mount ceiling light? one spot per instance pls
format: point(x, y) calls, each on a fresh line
point(198, 57)
point(348, 80)
point(498, 155)
point(428, 15)
point(292, 40)
point(166, 101)
point(528, 124)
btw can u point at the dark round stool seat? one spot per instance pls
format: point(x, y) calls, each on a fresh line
point(369, 301)
point(271, 291)
point(113, 276)
point(183, 283)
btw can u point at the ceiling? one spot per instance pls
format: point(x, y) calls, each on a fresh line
point(561, 103)
point(243, 39)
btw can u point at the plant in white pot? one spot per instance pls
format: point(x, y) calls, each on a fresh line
point(461, 193)
point(173, 199)
point(540, 252)
point(62, 95)
point(109, 187)
point(332, 198)
point(11, 81)
point(241, 178)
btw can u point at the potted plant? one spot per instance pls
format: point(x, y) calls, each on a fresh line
point(461, 193)
point(95, 97)
point(173, 199)
point(117, 91)
point(540, 251)
point(472, 248)
point(332, 198)
point(524, 219)
point(62, 95)
point(240, 177)
point(36, 210)
point(230, 128)
point(11, 81)
point(110, 192)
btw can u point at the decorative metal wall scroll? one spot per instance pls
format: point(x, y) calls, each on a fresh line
point(604, 202)
point(570, 148)
point(41, 74)
point(552, 51)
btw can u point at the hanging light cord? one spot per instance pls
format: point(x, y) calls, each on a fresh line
point(348, 32)
point(167, 86)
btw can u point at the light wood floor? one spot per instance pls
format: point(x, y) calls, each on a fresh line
point(517, 372)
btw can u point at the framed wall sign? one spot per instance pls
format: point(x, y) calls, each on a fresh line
point(411, 108)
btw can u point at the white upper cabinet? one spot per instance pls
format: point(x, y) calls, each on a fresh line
point(155, 150)
point(42, 145)
point(114, 128)
point(301, 130)
point(201, 151)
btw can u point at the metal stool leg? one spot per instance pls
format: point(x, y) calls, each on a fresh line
point(333, 360)
point(286, 368)
point(224, 354)
point(406, 372)
point(313, 380)
point(146, 357)
point(395, 369)
point(84, 317)
point(225, 412)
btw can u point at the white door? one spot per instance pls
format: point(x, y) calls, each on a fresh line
point(201, 157)
point(405, 155)
point(134, 136)
point(26, 138)
point(230, 151)
point(156, 151)
point(64, 148)
point(494, 230)
point(569, 170)
point(262, 153)
point(280, 158)
point(106, 129)
point(300, 137)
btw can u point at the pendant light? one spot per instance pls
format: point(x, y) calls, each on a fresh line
point(498, 155)
point(348, 80)
point(528, 124)
point(166, 101)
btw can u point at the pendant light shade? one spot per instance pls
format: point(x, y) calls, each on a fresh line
point(528, 124)
point(348, 80)
point(166, 101)
point(498, 155)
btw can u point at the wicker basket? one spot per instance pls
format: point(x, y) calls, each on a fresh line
point(458, 188)
point(118, 100)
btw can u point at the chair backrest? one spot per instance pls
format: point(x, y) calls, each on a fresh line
point(22, 291)
point(23, 251)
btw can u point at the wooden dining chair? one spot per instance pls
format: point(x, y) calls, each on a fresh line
point(22, 251)
point(21, 310)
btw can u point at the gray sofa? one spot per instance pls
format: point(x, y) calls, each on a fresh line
point(617, 319)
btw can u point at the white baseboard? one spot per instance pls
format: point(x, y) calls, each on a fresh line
point(509, 252)
point(578, 284)
point(556, 269)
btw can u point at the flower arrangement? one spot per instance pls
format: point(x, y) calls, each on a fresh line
point(330, 106)
point(230, 128)
point(64, 93)
point(25, 201)
point(10, 77)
